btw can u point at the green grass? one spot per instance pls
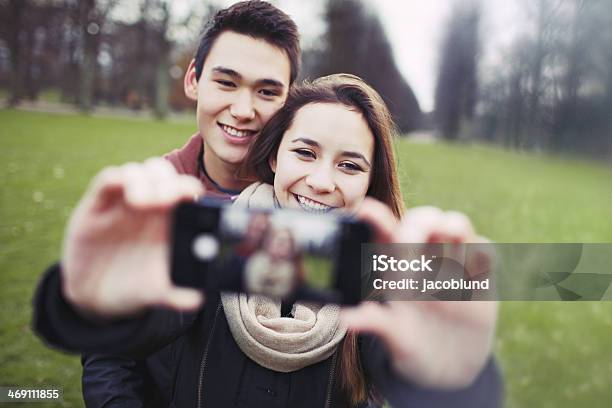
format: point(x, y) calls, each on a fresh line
point(511, 197)
point(553, 354)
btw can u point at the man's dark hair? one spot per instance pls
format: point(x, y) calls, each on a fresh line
point(257, 19)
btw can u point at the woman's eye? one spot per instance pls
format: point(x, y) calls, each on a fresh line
point(228, 84)
point(351, 166)
point(305, 153)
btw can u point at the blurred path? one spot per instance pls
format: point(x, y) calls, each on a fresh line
point(98, 111)
point(422, 136)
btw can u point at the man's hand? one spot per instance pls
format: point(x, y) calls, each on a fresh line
point(115, 259)
point(432, 343)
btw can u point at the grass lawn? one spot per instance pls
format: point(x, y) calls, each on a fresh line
point(553, 354)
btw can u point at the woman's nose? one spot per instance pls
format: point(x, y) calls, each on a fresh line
point(321, 180)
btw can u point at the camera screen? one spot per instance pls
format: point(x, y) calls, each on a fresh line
point(279, 251)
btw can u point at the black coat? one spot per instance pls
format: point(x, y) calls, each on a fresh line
point(191, 360)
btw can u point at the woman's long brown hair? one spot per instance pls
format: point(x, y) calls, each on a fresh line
point(353, 92)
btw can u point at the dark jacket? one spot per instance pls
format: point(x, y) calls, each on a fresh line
point(191, 360)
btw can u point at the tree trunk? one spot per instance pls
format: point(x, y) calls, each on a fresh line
point(88, 64)
point(162, 87)
point(16, 10)
point(162, 80)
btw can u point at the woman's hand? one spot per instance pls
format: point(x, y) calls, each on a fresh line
point(432, 343)
point(115, 259)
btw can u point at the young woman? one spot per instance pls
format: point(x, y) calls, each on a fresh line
point(328, 149)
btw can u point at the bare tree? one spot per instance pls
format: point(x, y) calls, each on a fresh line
point(92, 17)
point(355, 42)
point(161, 57)
point(556, 90)
point(33, 32)
point(13, 20)
point(89, 29)
point(457, 83)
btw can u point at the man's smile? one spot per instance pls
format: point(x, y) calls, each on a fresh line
point(236, 135)
point(235, 132)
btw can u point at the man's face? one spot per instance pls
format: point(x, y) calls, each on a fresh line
point(244, 82)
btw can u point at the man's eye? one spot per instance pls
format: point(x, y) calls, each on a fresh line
point(305, 153)
point(350, 166)
point(228, 84)
point(269, 92)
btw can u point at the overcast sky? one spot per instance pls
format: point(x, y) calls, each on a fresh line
point(415, 29)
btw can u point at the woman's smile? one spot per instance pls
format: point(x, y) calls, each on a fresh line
point(308, 204)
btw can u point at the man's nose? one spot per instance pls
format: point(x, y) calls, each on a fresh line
point(321, 179)
point(242, 109)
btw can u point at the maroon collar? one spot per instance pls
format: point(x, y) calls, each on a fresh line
point(186, 160)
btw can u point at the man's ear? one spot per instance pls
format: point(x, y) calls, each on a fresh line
point(272, 163)
point(190, 83)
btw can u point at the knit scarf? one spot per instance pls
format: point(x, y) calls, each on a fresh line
point(281, 344)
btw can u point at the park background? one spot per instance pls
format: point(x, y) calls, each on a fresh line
point(508, 122)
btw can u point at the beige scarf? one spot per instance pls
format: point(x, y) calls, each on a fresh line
point(280, 343)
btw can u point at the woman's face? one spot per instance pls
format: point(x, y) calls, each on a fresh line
point(324, 160)
point(280, 244)
point(256, 229)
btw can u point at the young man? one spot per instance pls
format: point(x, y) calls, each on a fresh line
point(115, 261)
point(248, 57)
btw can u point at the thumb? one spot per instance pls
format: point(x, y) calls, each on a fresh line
point(369, 317)
point(380, 217)
point(183, 299)
point(106, 187)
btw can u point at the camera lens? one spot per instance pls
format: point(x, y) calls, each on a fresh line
point(205, 247)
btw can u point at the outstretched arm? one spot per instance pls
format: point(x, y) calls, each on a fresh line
point(433, 344)
point(113, 292)
point(485, 391)
point(61, 326)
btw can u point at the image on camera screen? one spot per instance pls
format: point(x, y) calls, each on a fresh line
point(281, 250)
